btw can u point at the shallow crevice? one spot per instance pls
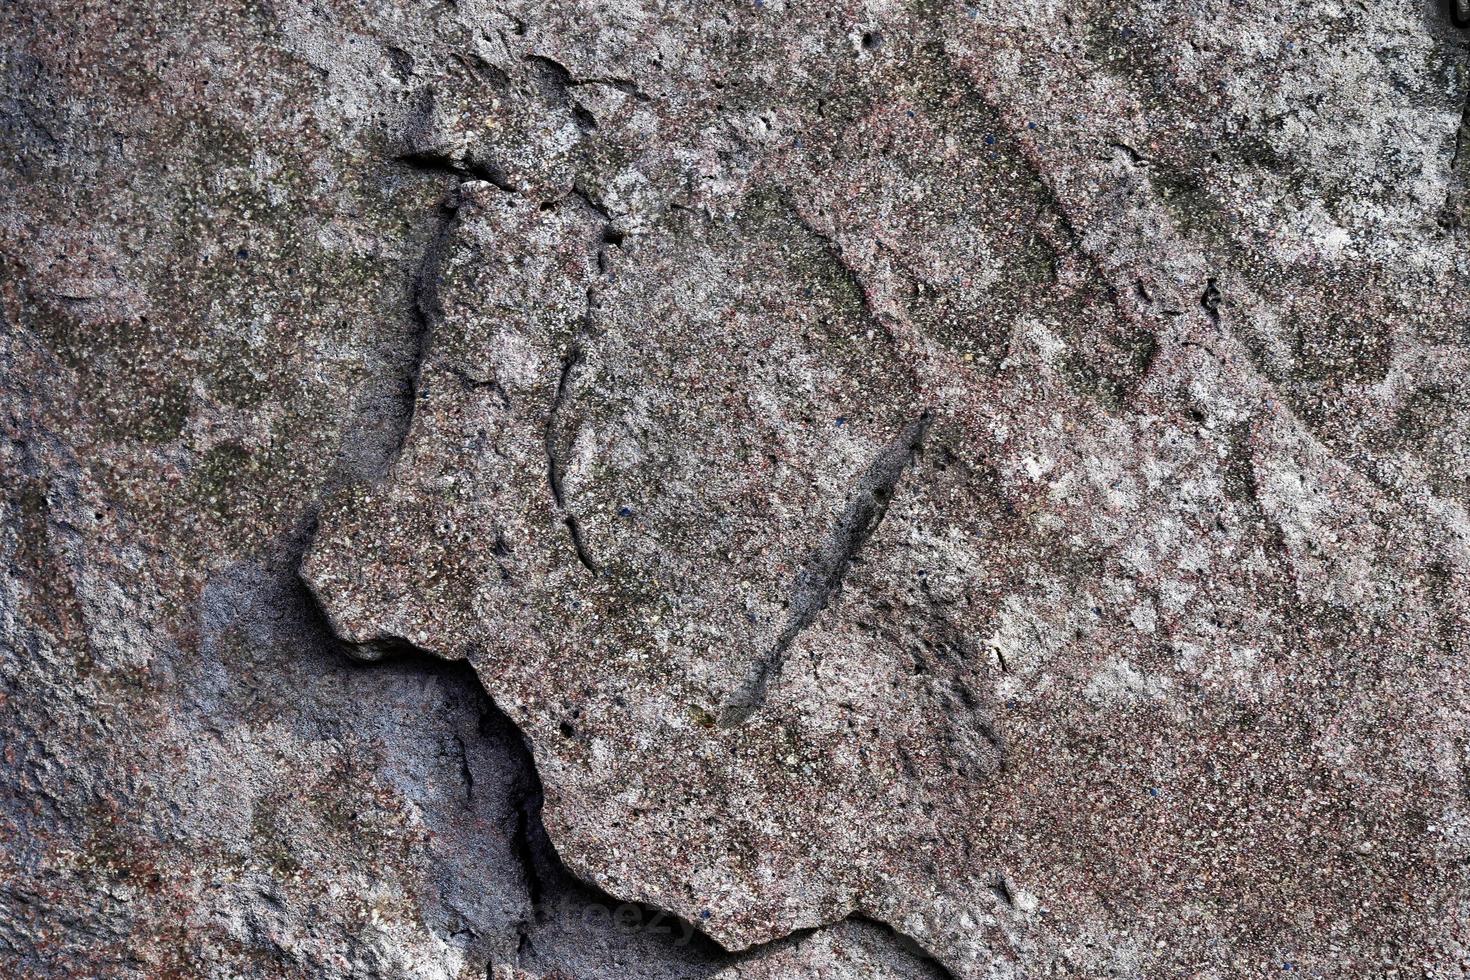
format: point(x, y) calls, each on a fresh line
point(1001, 889)
point(838, 257)
point(472, 383)
point(461, 169)
point(426, 309)
point(826, 569)
point(562, 77)
point(555, 465)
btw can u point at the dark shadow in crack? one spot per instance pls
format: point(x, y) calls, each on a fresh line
point(1456, 12)
point(576, 929)
point(573, 929)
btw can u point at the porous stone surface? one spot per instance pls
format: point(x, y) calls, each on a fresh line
point(919, 489)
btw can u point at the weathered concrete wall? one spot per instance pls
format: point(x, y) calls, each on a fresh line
point(734, 490)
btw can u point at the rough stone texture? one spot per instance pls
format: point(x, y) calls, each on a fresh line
point(922, 488)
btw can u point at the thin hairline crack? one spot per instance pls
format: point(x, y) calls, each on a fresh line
point(608, 237)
